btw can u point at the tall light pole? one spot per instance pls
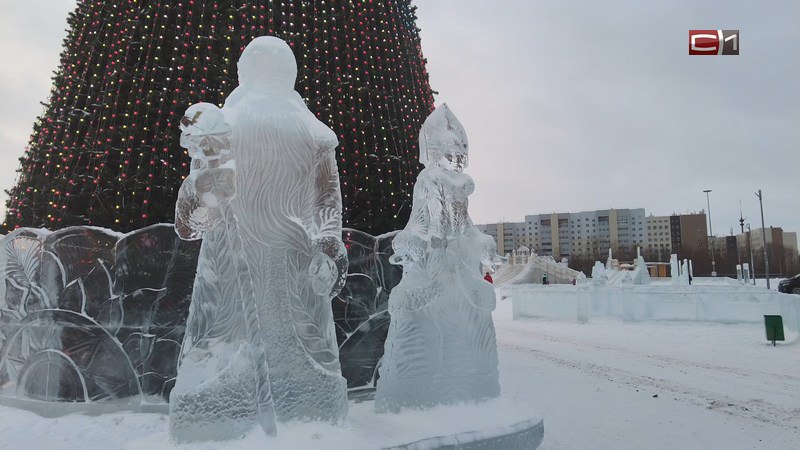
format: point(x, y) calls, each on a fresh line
point(764, 235)
point(711, 232)
point(752, 264)
point(739, 253)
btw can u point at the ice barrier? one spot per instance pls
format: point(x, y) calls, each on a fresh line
point(91, 317)
point(723, 304)
point(134, 290)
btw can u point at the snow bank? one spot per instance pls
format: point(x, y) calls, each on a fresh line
point(363, 429)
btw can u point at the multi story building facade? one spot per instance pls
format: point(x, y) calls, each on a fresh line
point(658, 238)
point(781, 248)
point(589, 234)
point(689, 235)
point(563, 235)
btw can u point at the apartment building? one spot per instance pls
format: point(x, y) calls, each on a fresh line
point(689, 233)
point(562, 235)
point(775, 236)
point(658, 236)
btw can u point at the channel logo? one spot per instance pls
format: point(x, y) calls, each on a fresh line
point(713, 42)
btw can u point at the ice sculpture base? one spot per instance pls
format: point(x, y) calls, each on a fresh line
point(52, 410)
point(524, 435)
point(497, 423)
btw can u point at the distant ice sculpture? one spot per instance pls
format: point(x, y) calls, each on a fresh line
point(674, 269)
point(441, 346)
point(599, 277)
point(260, 344)
point(641, 276)
point(685, 272)
point(678, 272)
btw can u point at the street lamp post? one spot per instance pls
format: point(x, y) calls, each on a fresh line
point(752, 264)
point(764, 235)
point(711, 232)
point(738, 253)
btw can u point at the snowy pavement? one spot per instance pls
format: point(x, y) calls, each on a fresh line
point(609, 384)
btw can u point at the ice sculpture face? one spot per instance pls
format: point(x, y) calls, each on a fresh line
point(260, 344)
point(453, 161)
point(443, 297)
point(204, 132)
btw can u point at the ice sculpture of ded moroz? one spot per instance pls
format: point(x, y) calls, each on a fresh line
point(441, 345)
point(260, 343)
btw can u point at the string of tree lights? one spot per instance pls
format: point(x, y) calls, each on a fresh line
point(105, 150)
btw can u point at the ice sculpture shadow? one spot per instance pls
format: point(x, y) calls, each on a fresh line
point(92, 316)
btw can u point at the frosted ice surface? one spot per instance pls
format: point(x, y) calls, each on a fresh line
point(679, 272)
point(83, 320)
point(599, 277)
point(271, 259)
point(641, 276)
point(685, 272)
point(674, 270)
point(440, 347)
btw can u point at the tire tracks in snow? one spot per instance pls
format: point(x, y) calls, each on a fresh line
point(754, 409)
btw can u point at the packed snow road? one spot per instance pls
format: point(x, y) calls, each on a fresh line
point(613, 384)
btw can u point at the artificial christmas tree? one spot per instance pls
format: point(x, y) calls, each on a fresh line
point(105, 151)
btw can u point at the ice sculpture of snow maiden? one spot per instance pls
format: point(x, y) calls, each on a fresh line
point(441, 345)
point(260, 343)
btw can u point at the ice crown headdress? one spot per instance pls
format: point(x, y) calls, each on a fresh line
point(441, 131)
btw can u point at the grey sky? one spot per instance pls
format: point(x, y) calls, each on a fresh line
point(568, 105)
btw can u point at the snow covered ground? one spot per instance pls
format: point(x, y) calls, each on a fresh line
point(609, 384)
point(603, 384)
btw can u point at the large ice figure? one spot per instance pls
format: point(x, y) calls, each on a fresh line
point(260, 343)
point(441, 346)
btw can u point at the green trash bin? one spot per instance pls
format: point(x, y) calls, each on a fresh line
point(774, 326)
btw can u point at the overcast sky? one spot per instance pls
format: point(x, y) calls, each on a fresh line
point(568, 105)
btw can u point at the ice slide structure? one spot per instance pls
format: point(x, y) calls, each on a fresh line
point(532, 271)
